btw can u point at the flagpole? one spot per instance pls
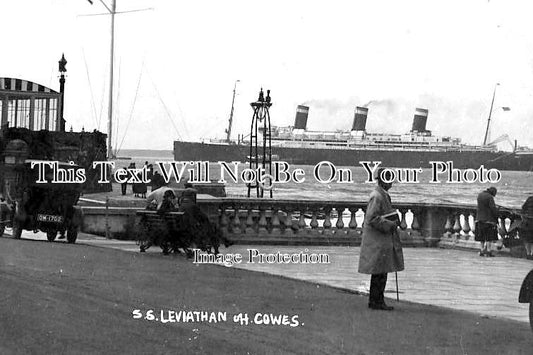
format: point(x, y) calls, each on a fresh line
point(110, 154)
point(112, 11)
point(485, 141)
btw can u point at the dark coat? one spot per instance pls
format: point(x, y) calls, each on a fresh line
point(527, 214)
point(486, 208)
point(166, 206)
point(188, 197)
point(381, 249)
point(526, 227)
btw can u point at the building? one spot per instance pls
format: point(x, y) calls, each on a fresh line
point(25, 104)
point(33, 127)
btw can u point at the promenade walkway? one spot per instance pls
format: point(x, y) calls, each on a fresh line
point(443, 277)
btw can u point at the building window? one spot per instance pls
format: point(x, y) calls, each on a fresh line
point(18, 113)
point(39, 115)
point(53, 115)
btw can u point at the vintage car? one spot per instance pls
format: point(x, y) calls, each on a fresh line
point(48, 206)
point(526, 295)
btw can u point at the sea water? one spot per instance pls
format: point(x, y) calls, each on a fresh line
point(513, 188)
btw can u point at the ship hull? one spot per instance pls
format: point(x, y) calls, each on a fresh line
point(195, 151)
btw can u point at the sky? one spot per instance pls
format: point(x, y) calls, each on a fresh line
point(177, 63)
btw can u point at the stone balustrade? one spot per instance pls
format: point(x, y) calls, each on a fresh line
point(263, 221)
point(459, 228)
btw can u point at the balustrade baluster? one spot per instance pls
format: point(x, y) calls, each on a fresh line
point(262, 224)
point(327, 222)
point(503, 229)
point(352, 226)
point(415, 232)
point(466, 225)
point(275, 222)
point(340, 222)
point(288, 222)
point(223, 220)
point(314, 222)
point(301, 221)
point(512, 225)
point(236, 221)
point(250, 222)
point(415, 225)
point(457, 227)
point(448, 226)
point(403, 222)
point(353, 220)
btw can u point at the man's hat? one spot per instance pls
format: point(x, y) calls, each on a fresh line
point(169, 193)
point(378, 174)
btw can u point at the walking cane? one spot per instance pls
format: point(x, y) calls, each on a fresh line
point(397, 293)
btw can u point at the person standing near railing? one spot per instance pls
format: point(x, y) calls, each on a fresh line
point(381, 249)
point(486, 221)
point(124, 186)
point(526, 227)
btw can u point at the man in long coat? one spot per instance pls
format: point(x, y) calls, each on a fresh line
point(381, 249)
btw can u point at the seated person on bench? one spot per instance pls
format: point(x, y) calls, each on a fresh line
point(206, 235)
point(166, 205)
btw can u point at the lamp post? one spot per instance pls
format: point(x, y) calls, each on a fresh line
point(62, 69)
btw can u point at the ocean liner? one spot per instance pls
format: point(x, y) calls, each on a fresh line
point(297, 145)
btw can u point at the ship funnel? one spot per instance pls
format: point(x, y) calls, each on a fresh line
point(419, 122)
point(300, 122)
point(359, 119)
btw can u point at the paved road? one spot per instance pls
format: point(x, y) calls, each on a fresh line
point(449, 278)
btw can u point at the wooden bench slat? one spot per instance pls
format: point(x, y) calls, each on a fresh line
point(153, 222)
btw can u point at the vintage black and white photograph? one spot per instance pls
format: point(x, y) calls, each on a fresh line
point(266, 177)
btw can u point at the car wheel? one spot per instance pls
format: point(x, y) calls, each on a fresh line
point(17, 230)
point(2, 229)
point(51, 235)
point(72, 235)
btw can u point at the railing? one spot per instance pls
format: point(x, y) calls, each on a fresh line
point(459, 228)
point(262, 221)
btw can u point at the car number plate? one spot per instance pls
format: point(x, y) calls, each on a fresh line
point(49, 218)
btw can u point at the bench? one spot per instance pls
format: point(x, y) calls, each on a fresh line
point(155, 226)
point(179, 230)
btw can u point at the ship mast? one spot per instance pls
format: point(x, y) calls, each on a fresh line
point(112, 11)
point(110, 154)
point(487, 131)
point(228, 130)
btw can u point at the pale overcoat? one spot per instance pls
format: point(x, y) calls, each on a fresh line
point(381, 249)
